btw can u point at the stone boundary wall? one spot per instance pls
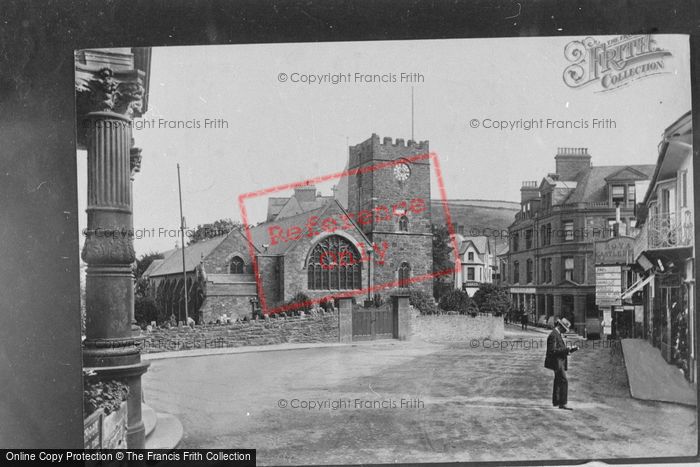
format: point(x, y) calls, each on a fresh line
point(313, 328)
point(456, 328)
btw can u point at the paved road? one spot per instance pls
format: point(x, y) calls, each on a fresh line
point(415, 402)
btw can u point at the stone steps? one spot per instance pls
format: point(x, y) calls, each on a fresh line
point(149, 417)
point(163, 431)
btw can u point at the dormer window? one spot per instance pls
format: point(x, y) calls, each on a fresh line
point(618, 194)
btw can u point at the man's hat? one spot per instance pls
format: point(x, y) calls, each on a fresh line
point(564, 323)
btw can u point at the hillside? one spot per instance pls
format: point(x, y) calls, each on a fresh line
point(478, 217)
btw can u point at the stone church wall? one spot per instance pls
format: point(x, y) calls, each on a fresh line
point(214, 307)
point(321, 327)
point(295, 273)
point(408, 248)
point(217, 262)
point(380, 189)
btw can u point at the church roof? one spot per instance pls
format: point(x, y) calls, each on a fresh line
point(172, 263)
point(261, 236)
point(294, 207)
point(152, 267)
point(274, 206)
point(260, 233)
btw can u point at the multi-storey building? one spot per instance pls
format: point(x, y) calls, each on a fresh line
point(665, 251)
point(550, 264)
point(478, 265)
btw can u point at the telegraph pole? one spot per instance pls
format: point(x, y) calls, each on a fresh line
point(182, 231)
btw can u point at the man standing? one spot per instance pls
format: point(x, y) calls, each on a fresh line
point(523, 321)
point(557, 361)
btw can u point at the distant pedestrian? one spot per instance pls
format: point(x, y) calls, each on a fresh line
point(557, 361)
point(523, 321)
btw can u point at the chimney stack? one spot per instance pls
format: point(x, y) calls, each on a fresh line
point(571, 161)
point(305, 193)
point(529, 190)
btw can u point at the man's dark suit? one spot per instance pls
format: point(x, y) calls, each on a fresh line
point(557, 361)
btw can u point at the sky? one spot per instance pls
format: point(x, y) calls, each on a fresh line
point(269, 128)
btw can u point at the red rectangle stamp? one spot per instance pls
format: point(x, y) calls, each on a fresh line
point(375, 237)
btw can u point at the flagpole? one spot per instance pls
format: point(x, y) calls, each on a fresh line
point(412, 137)
point(182, 231)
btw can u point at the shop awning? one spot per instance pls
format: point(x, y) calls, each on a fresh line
point(636, 287)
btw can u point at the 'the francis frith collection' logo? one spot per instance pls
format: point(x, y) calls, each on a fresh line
point(613, 63)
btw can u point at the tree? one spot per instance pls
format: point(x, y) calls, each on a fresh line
point(214, 229)
point(424, 302)
point(456, 300)
point(139, 268)
point(491, 298)
point(443, 259)
point(442, 249)
point(146, 310)
point(144, 262)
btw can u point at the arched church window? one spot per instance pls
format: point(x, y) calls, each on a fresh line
point(404, 274)
point(403, 224)
point(334, 264)
point(236, 266)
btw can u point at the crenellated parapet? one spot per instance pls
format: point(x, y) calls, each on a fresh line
point(376, 148)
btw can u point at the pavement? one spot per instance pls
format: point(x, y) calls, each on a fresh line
point(240, 349)
point(412, 401)
point(652, 378)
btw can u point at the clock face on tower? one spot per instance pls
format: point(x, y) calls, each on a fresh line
point(402, 172)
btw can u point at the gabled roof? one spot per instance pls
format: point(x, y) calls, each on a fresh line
point(627, 173)
point(152, 267)
point(592, 183)
point(274, 206)
point(679, 132)
point(172, 263)
point(278, 208)
point(260, 234)
point(480, 243)
point(502, 249)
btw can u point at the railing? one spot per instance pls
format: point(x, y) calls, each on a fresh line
point(545, 210)
point(674, 230)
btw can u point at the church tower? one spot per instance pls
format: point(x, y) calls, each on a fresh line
point(399, 197)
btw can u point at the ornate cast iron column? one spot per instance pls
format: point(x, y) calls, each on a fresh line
point(107, 101)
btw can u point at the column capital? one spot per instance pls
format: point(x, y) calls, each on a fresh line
point(106, 91)
point(110, 84)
